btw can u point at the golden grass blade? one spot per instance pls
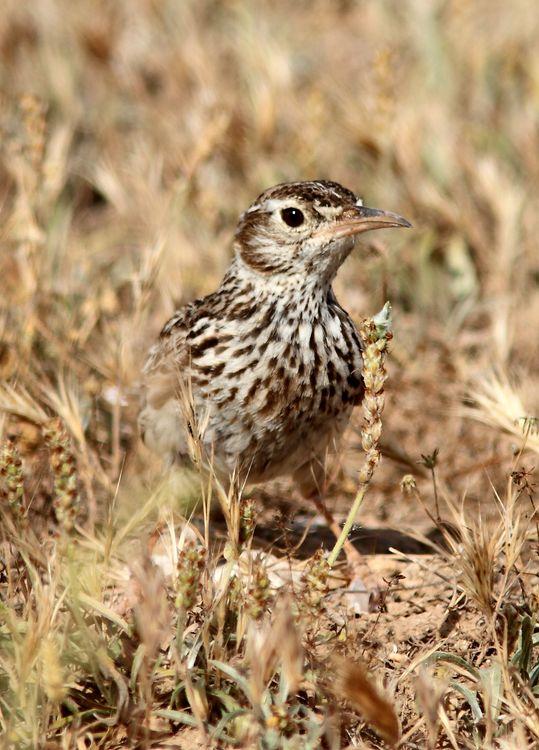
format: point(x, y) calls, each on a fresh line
point(497, 403)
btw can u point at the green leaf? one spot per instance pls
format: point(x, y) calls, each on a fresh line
point(178, 688)
point(135, 667)
point(525, 645)
point(458, 661)
point(182, 717)
point(470, 697)
point(218, 733)
point(534, 675)
point(515, 659)
point(234, 675)
point(230, 703)
point(89, 602)
point(526, 632)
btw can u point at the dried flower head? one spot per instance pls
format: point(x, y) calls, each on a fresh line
point(11, 473)
point(314, 583)
point(408, 485)
point(52, 673)
point(259, 594)
point(64, 469)
point(247, 520)
point(191, 561)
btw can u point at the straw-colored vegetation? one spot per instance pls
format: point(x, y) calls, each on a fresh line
point(133, 134)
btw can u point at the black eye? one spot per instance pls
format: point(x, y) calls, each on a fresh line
point(292, 216)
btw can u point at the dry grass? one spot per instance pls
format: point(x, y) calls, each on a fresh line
point(133, 134)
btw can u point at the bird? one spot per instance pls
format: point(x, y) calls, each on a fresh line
point(270, 363)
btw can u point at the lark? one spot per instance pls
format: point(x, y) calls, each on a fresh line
point(271, 363)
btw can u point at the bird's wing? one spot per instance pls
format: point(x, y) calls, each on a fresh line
point(160, 416)
point(170, 354)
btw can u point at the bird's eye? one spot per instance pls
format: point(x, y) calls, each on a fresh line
point(292, 216)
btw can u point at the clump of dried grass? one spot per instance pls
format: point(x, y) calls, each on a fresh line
point(495, 401)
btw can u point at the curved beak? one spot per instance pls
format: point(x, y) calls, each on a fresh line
point(362, 219)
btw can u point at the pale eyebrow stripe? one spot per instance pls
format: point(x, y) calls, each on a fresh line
point(273, 203)
point(328, 211)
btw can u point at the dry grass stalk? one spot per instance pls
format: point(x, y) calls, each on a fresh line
point(429, 695)
point(153, 621)
point(274, 643)
point(409, 489)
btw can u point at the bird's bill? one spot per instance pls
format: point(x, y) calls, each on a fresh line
point(362, 219)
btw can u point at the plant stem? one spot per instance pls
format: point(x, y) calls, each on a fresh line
point(375, 334)
point(343, 536)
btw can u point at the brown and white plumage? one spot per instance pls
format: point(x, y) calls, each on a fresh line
point(271, 361)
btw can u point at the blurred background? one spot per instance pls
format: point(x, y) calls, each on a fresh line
point(133, 135)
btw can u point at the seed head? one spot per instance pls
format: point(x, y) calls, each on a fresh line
point(191, 561)
point(11, 472)
point(64, 469)
point(315, 582)
point(259, 595)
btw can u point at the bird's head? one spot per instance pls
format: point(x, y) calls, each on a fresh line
point(306, 228)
